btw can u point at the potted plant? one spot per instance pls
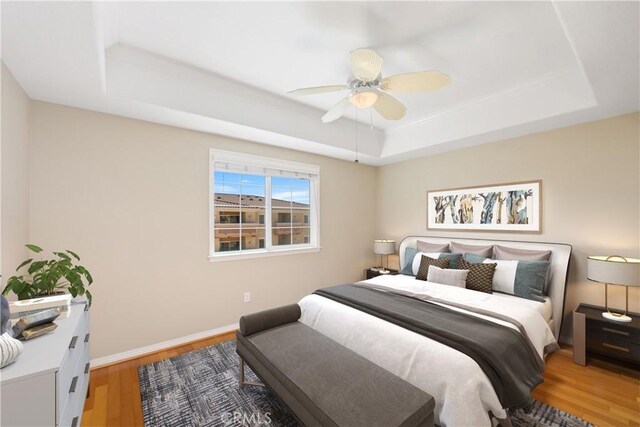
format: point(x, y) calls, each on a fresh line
point(50, 276)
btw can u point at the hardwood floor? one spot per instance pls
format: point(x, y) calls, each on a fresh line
point(600, 393)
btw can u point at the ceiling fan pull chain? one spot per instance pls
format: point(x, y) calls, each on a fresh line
point(356, 135)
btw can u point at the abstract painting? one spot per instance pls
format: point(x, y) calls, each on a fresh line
point(501, 207)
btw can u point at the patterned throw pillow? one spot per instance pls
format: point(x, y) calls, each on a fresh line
point(425, 262)
point(10, 349)
point(453, 259)
point(480, 277)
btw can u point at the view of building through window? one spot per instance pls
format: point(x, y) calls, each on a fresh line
point(240, 211)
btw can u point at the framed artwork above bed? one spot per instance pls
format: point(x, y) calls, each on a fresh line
point(515, 207)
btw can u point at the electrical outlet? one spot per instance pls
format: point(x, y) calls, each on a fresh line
point(247, 297)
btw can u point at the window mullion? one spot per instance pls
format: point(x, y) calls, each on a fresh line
point(267, 213)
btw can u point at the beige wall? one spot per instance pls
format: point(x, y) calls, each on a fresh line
point(131, 198)
point(14, 225)
point(591, 194)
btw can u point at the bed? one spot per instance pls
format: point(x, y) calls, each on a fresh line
point(463, 393)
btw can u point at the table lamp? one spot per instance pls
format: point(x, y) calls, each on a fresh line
point(614, 270)
point(384, 247)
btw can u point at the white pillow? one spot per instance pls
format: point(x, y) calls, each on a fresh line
point(457, 278)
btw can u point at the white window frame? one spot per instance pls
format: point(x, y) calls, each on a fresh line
point(271, 166)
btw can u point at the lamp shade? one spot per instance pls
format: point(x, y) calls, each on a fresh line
point(384, 247)
point(614, 270)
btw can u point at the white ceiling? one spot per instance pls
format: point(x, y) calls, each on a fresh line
point(225, 67)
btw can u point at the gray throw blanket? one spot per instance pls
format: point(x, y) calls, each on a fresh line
point(502, 353)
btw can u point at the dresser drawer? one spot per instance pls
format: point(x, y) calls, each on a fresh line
point(71, 371)
point(35, 389)
point(608, 329)
point(72, 412)
point(614, 347)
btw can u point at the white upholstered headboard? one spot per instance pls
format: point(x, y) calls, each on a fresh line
point(559, 266)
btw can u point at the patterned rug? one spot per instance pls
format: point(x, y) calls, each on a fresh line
point(200, 388)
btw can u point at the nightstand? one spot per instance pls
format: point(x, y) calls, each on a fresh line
point(369, 273)
point(593, 334)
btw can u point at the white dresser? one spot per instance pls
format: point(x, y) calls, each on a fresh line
point(47, 384)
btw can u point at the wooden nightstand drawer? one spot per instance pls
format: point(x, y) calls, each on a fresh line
point(613, 347)
point(613, 330)
point(598, 336)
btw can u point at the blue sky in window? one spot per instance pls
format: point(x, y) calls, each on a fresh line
point(290, 189)
point(235, 183)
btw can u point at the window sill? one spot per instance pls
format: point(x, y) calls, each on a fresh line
point(248, 255)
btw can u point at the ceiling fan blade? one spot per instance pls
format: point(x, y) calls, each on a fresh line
point(366, 64)
point(317, 89)
point(336, 111)
point(389, 107)
point(421, 81)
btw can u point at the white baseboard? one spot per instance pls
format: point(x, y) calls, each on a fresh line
point(125, 355)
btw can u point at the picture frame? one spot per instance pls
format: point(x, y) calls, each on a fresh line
point(507, 207)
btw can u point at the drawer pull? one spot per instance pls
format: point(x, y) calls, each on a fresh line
point(615, 331)
point(74, 382)
point(86, 368)
point(73, 342)
point(86, 338)
point(615, 347)
point(74, 423)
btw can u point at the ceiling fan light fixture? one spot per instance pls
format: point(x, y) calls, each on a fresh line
point(364, 99)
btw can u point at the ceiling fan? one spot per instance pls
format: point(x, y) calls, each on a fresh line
point(369, 89)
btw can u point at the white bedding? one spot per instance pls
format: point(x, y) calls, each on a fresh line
point(462, 392)
point(544, 308)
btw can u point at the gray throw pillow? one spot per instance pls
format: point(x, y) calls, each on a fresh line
point(507, 253)
point(485, 251)
point(473, 258)
point(457, 278)
point(432, 247)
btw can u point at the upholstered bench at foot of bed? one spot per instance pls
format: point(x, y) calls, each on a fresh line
point(323, 382)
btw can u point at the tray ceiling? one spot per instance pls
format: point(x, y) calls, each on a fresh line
point(225, 67)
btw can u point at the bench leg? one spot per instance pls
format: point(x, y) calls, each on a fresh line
point(241, 380)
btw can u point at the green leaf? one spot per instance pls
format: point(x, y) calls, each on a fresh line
point(24, 263)
point(73, 254)
point(34, 248)
point(89, 297)
point(63, 256)
point(73, 292)
point(36, 266)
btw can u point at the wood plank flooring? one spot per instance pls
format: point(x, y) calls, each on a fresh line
point(600, 393)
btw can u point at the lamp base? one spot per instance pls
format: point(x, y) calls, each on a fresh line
point(616, 317)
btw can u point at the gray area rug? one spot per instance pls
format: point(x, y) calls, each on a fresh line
point(200, 388)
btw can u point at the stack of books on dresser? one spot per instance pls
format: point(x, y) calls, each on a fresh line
point(34, 317)
point(18, 309)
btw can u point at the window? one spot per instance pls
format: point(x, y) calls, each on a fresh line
point(261, 206)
